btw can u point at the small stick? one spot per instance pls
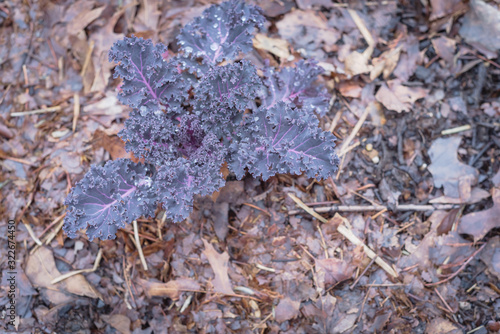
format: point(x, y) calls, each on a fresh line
point(362, 208)
point(87, 58)
point(21, 161)
point(456, 130)
point(306, 208)
point(36, 111)
point(459, 270)
point(362, 274)
point(444, 301)
point(138, 246)
point(81, 271)
point(257, 208)
point(335, 121)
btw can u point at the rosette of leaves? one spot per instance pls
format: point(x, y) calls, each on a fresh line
point(196, 111)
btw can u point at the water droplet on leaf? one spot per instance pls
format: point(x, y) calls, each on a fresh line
point(214, 46)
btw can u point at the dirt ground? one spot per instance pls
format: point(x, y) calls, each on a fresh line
point(403, 239)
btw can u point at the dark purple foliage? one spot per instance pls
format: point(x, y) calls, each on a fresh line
point(191, 114)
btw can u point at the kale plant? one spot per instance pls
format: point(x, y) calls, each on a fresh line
point(196, 111)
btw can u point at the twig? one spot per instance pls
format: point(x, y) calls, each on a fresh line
point(362, 208)
point(335, 121)
point(257, 208)
point(87, 58)
point(444, 301)
point(76, 272)
point(36, 111)
point(348, 234)
point(459, 269)
point(362, 274)
point(21, 161)
point(456, 130)
point(138, 246)
point(306, 208)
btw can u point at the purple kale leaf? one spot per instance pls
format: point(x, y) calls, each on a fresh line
point(223, 93)
point(152, 138)
point(178, 181)
point(221, 32)
point(295, 86)
point(149, 82)
point(109, 196)
point(283, 140)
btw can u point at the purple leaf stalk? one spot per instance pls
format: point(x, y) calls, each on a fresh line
point(195, 111)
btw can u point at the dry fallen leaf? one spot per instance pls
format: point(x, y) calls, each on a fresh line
point(41, 270)
point(481, 25)
point(442, 326)
point(357, 63)
point(119, 322)
point(219, 263)
point(454, 176)
point(398, 97)
point(478, 224)
point(332, 271)
point(445, 48)
point(287, 309)
point(385, 63)
point(491, 256)
point(276, 46)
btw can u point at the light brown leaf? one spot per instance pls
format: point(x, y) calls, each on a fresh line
point(219, 264)
point(41, 270)
point(276, 46)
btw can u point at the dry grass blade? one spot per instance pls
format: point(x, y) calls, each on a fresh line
point(76, 272)
point(138, 246)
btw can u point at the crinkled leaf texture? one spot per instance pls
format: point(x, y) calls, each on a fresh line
point(190, 114)
point(149, 82)
point(109, 196)
point(220, 33)
point(223, 93)
point(283, 140)
point(295, 86)
point(178, 181)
